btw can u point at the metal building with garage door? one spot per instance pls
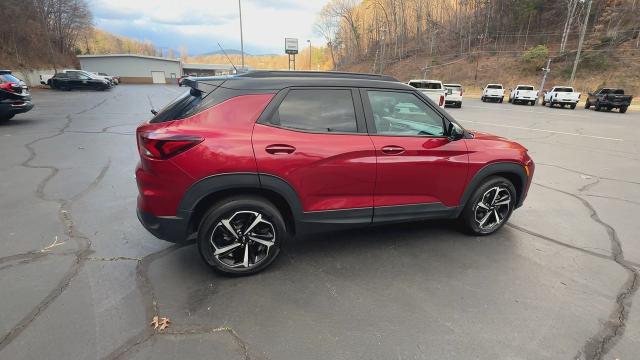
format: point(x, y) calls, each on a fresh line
point(138, 69)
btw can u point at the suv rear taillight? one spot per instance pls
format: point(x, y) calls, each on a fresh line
point(164, 146)
point(11, 87)
point(441, 100)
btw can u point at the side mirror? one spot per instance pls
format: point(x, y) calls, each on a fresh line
point(154, 112)
point(590, 94)
point(454, 132)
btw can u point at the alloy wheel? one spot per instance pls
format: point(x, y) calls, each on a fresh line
point(242, 240)
point(492, 208)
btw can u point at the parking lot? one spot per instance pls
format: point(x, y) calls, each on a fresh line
point(82, 279)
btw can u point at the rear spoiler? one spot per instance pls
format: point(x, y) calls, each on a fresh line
point(203, 84)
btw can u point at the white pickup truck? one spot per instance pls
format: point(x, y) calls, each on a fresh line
point(493, 92)
point(454, 95)
point(433, 89)
point(561, 95)
point(523, 94)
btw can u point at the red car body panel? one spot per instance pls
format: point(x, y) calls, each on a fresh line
point(226, 128)
point(327, 171)
point(428, 170)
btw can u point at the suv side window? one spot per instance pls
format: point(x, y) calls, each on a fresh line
point(317, 110)
point(403, 114)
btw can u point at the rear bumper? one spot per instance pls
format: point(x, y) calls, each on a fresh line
point(614, 104)
point(15, 107)
point(169, 228)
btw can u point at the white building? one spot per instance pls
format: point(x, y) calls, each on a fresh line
point(134, 68)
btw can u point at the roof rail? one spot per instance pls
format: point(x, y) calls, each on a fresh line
point(317, 74)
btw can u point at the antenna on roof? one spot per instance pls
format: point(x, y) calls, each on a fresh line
point(225, 54)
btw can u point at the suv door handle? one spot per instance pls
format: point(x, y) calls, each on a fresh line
point(392, 149)
point(280, 149)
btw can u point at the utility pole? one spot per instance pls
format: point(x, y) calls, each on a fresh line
point(241, 40)
point(309, 41)
point(545, 71)
point(582, 32)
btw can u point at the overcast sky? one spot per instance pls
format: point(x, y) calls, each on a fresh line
point(200, 24)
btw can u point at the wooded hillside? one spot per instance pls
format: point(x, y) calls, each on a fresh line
point(377, 35)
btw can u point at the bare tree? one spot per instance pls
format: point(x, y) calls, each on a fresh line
point(327, 25)
point(571, 12)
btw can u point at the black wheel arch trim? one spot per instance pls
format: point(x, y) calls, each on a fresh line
point(494, 169)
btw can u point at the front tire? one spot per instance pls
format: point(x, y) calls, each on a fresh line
point(623, 109)
point(501, 100)
point(489, 207)
point(587, 104)
point(241, 235)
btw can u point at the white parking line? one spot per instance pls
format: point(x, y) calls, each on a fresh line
point(543, 130)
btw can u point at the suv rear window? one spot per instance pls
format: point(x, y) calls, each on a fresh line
point(425, 85)
point(525, 88)
point(317, 111)
point(494, 87)
point(178, 108)
point(563, 89)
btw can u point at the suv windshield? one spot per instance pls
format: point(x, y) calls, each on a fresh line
point(425, 85)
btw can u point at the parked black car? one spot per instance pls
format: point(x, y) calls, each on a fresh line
point(608, 98)
point(75, 80)
point(14, 96)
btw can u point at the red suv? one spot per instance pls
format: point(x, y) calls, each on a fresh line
point(242, 163)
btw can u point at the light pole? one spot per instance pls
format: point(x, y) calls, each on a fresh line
point(545, 71)
point(241, 40)
point(309, 41)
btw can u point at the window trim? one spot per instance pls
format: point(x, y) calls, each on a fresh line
point(269, 111)
point(371, 126)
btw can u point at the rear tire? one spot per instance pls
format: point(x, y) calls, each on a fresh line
point(6, 117)
point(623, 109)
point(587, 104)
point(500, 101)
point(597, 106)
point(544, 103)
point(482, 99)
point(489, 207)
point(258, 232)
point(572, 106)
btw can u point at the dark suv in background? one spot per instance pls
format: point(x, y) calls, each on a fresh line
point(14, 96)
point(77, 80)
point(242, 163)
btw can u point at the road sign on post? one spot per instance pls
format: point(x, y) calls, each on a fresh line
point(290, 46)
point(291, 49)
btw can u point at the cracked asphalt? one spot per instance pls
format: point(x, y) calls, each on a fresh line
point(81, 279)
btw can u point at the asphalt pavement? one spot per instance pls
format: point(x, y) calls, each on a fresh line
point(81, 279)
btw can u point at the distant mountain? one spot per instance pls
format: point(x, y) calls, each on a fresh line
point(229, 52)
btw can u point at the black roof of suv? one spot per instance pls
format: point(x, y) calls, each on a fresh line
point(276, 80)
